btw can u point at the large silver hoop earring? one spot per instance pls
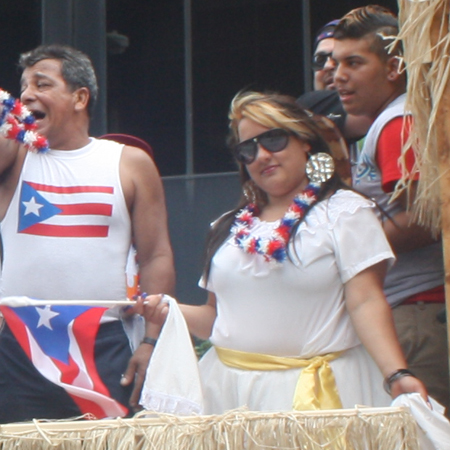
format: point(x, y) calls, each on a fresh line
point(319, 167)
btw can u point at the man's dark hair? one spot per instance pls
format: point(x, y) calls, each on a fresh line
point(372, 21)
point(76, 67)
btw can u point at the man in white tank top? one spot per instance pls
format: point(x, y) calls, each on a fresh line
point(68, 219)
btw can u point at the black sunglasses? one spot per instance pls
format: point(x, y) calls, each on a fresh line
point(273, 141)
point(320, 59)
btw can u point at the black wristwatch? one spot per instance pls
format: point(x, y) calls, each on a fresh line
point(400, 373)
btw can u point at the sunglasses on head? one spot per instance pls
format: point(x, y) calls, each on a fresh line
point(320, 59)
point(273, 141)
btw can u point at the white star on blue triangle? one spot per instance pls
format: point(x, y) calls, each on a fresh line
point(46, 337)
point(48, 209)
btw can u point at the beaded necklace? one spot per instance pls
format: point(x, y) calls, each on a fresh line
point(18, 123)
point(273, 248)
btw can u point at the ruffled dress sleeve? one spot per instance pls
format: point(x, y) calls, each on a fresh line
point(360, 241)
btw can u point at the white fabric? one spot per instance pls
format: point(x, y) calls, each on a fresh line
point(358, 380)
point(134, 327)
point(434, 427)
point(132, 269)
point(50, 267)
point(297, 308)
point(172, 382)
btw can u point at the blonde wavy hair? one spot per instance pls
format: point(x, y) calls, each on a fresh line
point(271, 110)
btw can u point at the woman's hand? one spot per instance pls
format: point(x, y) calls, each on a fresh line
point(407, 385)
point(152, 308)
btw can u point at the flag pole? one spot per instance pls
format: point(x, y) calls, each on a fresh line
point(16, 302)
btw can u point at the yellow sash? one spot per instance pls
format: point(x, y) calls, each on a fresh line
point(316, 387)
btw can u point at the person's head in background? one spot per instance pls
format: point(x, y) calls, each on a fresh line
point(367, 74)
point(322, 64)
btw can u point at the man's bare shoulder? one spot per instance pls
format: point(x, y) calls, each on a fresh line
point(139, 162)
point(136, 155)
point(139, 176)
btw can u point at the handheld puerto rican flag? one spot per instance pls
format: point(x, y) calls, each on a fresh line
point(59, 341)
point(61, 211)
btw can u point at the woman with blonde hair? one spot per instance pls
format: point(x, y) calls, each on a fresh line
point(295, 311)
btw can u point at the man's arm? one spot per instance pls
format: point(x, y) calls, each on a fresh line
point(144, 195)
point(9, 150)
point(12, 155)
point(145, 199)
point(402, 232)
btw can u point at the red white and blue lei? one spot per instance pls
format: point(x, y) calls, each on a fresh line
point(18, 123)
point(273, 248)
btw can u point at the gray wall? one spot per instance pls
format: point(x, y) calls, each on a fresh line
point(192, 204)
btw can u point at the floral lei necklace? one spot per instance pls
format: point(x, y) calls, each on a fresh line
point(18, 123)
point(274, 247)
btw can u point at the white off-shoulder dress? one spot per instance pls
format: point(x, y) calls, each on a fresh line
point(295, 309)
